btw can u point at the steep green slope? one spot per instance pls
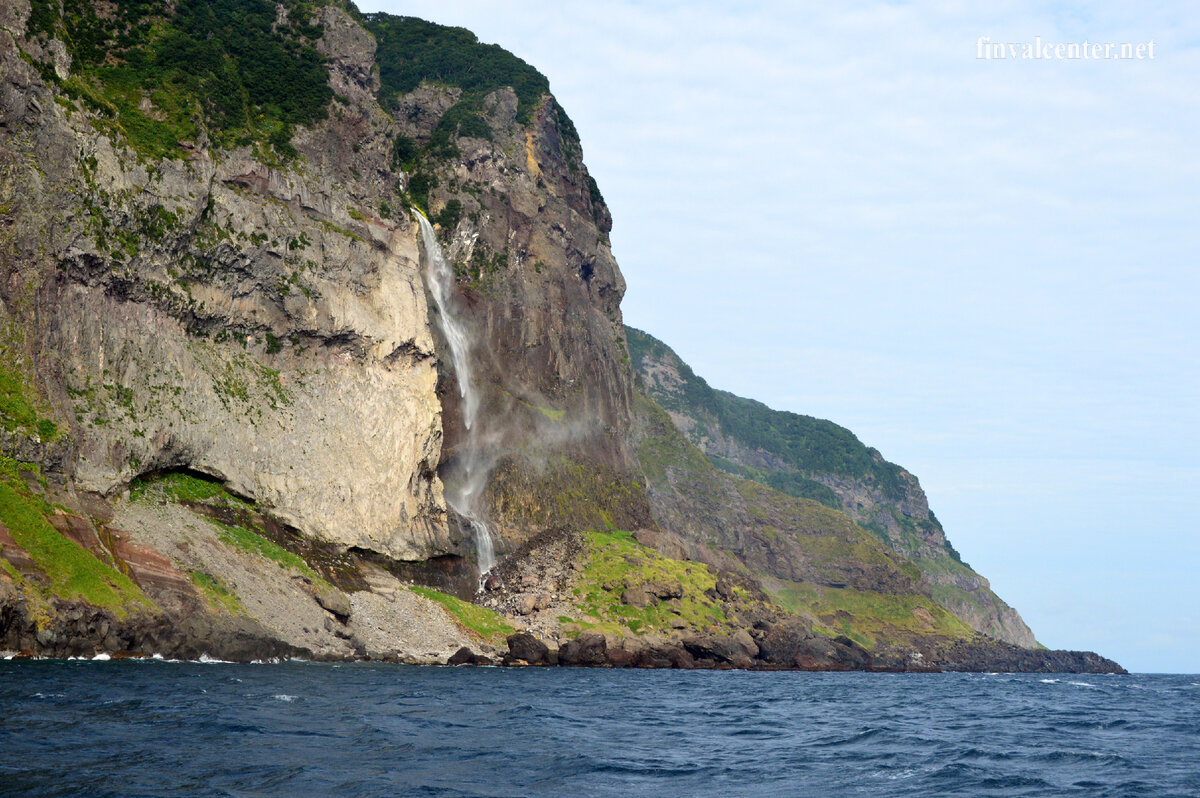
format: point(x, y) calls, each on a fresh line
point(814, 560)
point(815, 459)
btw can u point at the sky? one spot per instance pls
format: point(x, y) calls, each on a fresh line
point(984, 267)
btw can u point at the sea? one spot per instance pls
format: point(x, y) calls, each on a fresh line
point(155, 728)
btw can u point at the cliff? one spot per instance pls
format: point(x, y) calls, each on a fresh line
point(229, 421)
point(814, 459)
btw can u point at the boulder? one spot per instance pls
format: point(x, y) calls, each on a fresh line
point(464, 656)
point(664, 588)
point(333, 601)
point(620, 658)
point(782, 642)
point(524, 647)
point(588, 650)
point(667, 544)
point(743, 639)
point(638, 597)
point(717, 648)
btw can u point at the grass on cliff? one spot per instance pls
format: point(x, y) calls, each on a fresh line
point(867, 616)
point(216, 594)
point(480, 621)
point(616, 562)
point(804, 443)
point(241, 538)
point(71, 571)
point(181, 486)
point(20, 407)
point(186, 488)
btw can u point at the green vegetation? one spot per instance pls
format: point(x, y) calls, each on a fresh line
point(19, 406)
point(71, 571)
point(616, 561)
point(481, 621)
point(867, 616)
point(662, 445)
point(230, 66)
point(180, 486)
point(568, 494)
point(242, 538)
point(788, 482)
point(216, 594)
point(412, 51)
point(450, 214)
point(805, 443)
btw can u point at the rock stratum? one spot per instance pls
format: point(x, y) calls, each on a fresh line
point(229, 421)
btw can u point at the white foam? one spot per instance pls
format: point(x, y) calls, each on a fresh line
point(1081, 684)
point(1048, 681)
point(157, 657)
point(102, 657)
point(286, 698)
point(207, 660)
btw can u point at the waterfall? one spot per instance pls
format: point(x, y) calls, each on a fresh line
point(466, 495)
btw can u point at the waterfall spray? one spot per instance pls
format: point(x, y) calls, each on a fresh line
point(466, 496)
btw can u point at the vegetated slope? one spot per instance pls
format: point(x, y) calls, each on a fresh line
point(815, 459)
point(814, 560)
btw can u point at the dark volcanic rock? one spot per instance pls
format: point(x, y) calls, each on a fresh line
point(589, 650)
point(524, 647)
point(783, 640)
point(990, 655)
point(464, 656)
point(717, 649)
point(81, 630)
point(638, 597)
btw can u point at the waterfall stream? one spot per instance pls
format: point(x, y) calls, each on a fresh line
point(465, 491)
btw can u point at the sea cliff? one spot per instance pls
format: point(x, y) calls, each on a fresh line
point(230, 421)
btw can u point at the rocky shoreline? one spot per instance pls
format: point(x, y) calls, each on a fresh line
point(82, 631)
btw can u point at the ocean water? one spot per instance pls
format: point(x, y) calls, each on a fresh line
point(167, 729)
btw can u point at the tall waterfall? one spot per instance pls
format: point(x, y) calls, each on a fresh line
point(465, 490)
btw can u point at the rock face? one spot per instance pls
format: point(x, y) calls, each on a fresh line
point(219, 354)
point(220, 314)
point(811, 459)
point(263, 320)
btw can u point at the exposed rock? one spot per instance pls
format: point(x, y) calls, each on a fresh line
point(588, 650)
point(665, 543)
point(334, 601)
point(784, 640)
point(464, 656)
point(664, 589)
point(638, 597)
point(524, 648)
point(743, 639)
point(717, 648)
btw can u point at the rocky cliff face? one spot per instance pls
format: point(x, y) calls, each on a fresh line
point(228, 420)
point(226, 312)
point(815, 459)
point(262, 319)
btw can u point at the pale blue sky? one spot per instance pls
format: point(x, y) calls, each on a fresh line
point(986, 269)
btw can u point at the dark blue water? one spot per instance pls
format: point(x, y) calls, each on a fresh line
point(153, 728)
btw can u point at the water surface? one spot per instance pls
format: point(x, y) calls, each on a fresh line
point(168, 729)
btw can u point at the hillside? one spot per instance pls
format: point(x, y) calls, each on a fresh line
point(241, 413)
point(815, 459)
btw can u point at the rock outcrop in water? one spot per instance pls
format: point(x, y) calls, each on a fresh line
point(229, 423)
